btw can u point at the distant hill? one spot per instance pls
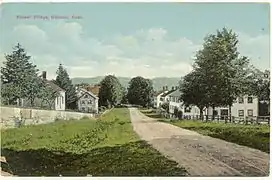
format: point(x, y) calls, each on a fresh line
point(158, 82)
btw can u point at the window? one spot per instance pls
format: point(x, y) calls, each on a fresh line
point(250, 112)
point(82, 102)
point(224, 112)
point(86, 96)
point(62, 99)
point(82, 109)
point(250, 100)
point(187, 109)
point(90, 102)
point(215, 113)
point(241, 100)
point(241, 113)
point(57, 100)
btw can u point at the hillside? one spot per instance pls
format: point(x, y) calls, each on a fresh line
point(158, 82)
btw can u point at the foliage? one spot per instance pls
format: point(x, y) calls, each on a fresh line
point(165, 106)
point(124, 96)
point(259, 85)
point(176, 111)
point(140, 91)
point(220, 72)
point(48, 95)
point(110, 93)
point(64, 82)
point(20, 76)
point(193, 91)
point(107, 147)
point(249, 135)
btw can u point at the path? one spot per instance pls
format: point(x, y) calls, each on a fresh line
point(200, 155)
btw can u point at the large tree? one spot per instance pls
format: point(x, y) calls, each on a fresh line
point(223, 69)
point(140, 91)
point(63, 80)
point(20, 76)
point(110, 93)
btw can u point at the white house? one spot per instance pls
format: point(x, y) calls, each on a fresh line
point(175, 102)
point(157, 97)
point(242, 107)
point(87, 101)
point(59, 102)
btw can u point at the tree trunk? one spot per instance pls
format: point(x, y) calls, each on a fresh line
point(207, 115)
point(230, 112)
point(201, 113)
point(213, 114)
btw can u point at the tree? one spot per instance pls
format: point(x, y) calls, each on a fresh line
point(140, 91)
point(110, 93)
point(48, 94)
point(63, 80)
point(124, 96)
point(194, 91)
point(165, 106)
point(19, 75)
point(222, 68)
point(259, 84)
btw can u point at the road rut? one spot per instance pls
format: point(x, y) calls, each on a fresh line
point(200, 155)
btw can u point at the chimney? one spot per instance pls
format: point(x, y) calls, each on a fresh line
point(163, 88)
point(166, 87)
point(173, 88)
point(176, 87)
point(44, 74)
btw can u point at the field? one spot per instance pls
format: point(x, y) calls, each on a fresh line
point(107, 147)
point(255, 136)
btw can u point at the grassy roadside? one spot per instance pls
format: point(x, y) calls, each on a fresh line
point(107, 147)
point(255, 136)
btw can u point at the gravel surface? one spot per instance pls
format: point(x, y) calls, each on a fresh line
point(200, 155)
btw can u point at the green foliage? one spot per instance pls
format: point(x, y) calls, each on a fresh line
point(165, 106)
point(107, 147)
point(48, 95)
point(220, 72)
point(259, 85)
point(64, 82)
point(110, 93)
point(140, 91)
point(250, 135)
point(19, 76)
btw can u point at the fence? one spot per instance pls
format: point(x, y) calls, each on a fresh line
point(232, 119)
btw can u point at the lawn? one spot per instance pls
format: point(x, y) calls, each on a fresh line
point(255, 136)
point(107, 147)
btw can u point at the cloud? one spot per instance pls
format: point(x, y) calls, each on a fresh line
point(146, 52)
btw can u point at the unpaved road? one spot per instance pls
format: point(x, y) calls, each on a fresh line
point(200, 155)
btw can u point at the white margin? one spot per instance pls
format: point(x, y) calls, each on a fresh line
point(157, 178)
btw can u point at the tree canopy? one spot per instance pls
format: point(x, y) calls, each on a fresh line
point(111, 91)
point(219, 74)
point(140, 91)
point(63, 81)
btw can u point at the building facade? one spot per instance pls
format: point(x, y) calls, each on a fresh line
point(87, 101)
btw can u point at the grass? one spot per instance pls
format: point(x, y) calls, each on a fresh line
point(107, 147)
point(254, 136)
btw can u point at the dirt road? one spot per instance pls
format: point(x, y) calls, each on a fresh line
point(200, 155)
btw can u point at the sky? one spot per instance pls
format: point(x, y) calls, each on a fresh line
point(129, 39)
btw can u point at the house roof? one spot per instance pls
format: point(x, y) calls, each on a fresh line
point(176, 93)
point(94, 89)
point(158, 93)
point(53, 85)
point(87, 92)
point(167, 93)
